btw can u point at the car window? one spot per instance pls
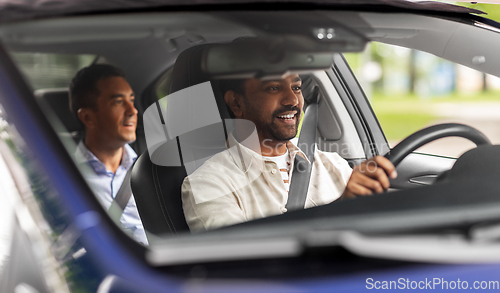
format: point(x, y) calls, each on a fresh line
point(410, 90)
point(184, 130)
point(46, 70)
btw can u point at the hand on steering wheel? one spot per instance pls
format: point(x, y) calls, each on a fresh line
point(372, 176)
point(369, 177)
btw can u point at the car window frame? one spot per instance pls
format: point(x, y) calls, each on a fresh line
point(366, 123)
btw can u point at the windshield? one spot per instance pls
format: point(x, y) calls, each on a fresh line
point(207, 116)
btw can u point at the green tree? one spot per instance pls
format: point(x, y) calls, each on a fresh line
point(492, 10)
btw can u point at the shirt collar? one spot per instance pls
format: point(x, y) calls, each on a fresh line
point(83, 155)
point(129, 156)
point(295, 150)
point(245, 157)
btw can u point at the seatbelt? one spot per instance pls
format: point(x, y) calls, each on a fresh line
point(301, 173)
point(121, 199)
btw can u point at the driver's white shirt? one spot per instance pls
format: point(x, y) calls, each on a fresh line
point(230, 188)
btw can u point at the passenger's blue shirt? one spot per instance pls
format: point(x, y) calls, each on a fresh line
point(106, 184)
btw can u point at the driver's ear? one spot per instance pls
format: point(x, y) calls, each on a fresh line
point(235, 102)
point(87, 116)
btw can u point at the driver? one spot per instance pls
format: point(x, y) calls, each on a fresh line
point(219, 193)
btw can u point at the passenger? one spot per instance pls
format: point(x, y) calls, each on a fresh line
point(220, 193)
point(103, 101)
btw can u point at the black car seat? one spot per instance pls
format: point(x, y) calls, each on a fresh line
point(157, 186)
point(56, 100)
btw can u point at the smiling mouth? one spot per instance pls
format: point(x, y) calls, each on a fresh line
point(287, 117)
point(129, 124)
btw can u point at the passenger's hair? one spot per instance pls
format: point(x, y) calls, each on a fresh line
point(83, 91)
point(237, 85)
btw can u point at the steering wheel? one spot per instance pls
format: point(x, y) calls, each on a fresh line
point(426, 135)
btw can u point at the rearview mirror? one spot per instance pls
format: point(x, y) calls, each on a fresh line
point(282, 43)
point(261, 58)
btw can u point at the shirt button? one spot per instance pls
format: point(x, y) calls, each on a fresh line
point(273, 171)
point(283, 210)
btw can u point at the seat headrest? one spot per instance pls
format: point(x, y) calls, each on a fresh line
point(187, 69)
point(188, 72)
point(193, 127)
point(58, 100)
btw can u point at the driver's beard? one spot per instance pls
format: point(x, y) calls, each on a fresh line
point(272, 130)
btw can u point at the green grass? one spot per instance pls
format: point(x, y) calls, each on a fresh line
point(402, 115)
point(397, 126)
point(479, 97)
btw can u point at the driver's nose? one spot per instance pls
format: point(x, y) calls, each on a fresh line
point(130, 108)
point(291, 98)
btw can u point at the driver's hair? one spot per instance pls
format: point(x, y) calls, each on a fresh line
point(236, 85)
point(83, 91)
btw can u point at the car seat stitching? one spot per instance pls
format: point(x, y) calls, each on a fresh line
point(166, 210)
point(158, 194)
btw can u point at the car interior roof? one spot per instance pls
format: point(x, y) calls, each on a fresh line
point(164, 38)
point(30, 9)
